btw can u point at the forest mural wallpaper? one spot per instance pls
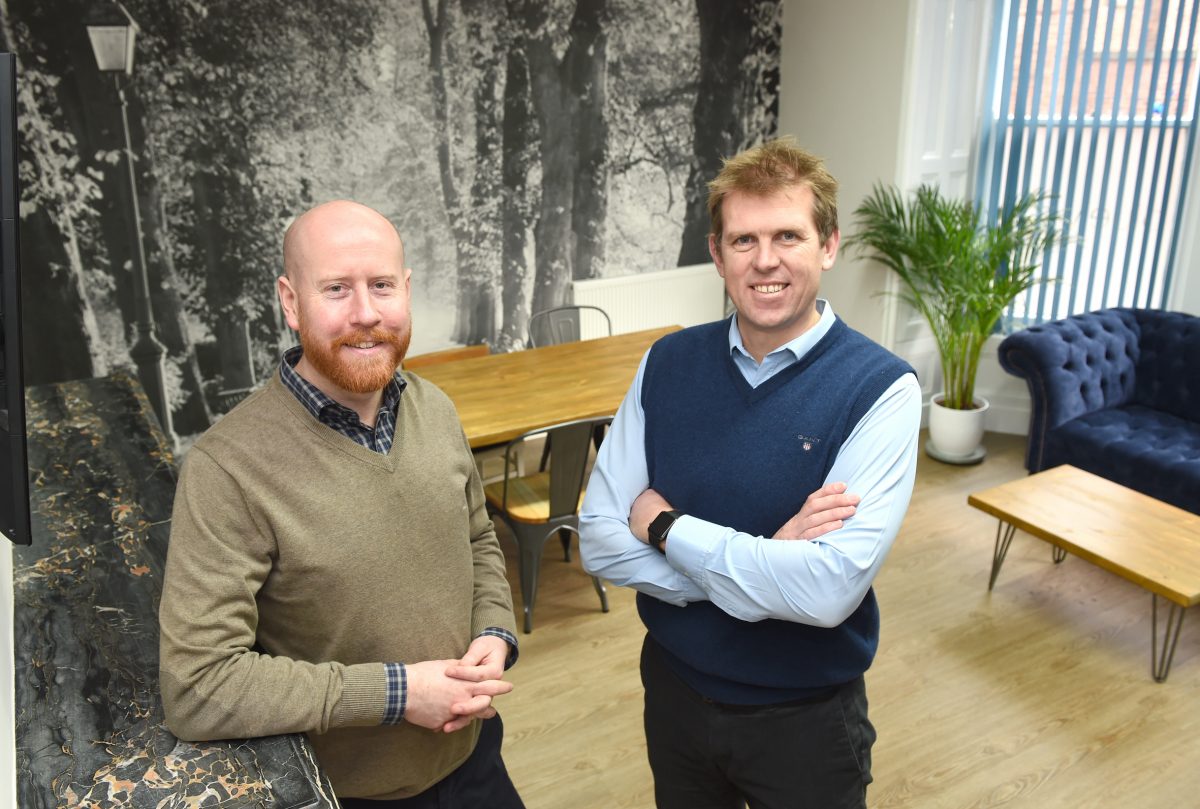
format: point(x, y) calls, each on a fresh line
point(517, 144)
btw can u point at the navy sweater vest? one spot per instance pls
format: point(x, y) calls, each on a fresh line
point(745, 457)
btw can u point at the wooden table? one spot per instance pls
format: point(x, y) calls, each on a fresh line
point(1148, 542)
point(501, 396)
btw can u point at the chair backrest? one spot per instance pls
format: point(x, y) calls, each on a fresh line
point(570, 445)
point(562, 324)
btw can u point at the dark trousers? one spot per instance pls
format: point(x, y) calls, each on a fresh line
point(813, 754)
point(480, 782)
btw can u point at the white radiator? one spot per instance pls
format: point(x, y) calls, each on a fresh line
point(685, 296)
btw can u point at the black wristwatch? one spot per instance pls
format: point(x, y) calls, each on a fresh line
point(660, 526)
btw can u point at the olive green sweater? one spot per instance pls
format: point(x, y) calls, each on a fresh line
point(300, 562)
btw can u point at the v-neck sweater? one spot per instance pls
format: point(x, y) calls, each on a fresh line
point(300, 562)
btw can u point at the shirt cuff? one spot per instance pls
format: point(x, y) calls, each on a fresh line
point(397, 693)
point(689, 544)
point(507, 637)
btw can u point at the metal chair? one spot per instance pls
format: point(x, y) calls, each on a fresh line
point(483, 457)
point(564, 324)
point(545, 503)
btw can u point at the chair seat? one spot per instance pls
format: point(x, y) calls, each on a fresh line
point(539, 506)
point(528, 497)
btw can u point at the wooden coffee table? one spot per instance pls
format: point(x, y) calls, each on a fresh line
point(1148, 542)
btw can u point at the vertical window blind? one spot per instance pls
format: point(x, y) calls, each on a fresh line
point(1093, 103)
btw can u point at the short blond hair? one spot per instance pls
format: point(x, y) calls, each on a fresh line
point(772, 167)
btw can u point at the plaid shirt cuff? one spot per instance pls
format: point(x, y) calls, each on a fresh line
point(397, 678)
point(397, 693)
point(508, 638)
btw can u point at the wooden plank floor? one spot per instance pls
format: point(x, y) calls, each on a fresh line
point(1037, 695)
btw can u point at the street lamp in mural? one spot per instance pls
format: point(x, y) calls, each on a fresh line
point(112, 32)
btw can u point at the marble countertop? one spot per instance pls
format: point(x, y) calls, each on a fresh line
point(89, 722)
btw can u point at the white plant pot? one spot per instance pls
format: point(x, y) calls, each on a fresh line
point(956, 436)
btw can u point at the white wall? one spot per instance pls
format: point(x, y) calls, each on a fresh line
point(1185, 291)
point(843, 70)
point(8, 742)
point(886, 92)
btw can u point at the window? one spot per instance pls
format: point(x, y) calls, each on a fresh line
point(1093, 102)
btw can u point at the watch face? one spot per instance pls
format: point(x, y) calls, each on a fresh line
point(661, 525)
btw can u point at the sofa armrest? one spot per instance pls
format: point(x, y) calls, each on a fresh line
point(1072, 366)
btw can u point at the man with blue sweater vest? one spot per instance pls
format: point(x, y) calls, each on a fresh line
point(756, 594)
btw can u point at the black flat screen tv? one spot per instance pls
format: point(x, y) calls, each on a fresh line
point(14, 472)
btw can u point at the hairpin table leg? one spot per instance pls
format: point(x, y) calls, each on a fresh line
point(1160, 662)
point(1004, 535)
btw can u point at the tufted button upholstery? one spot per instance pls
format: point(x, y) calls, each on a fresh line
point(1168, 370)
point(1139, 447)
point(1116, 392)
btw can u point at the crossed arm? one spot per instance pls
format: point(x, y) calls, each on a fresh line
point(818, 582)
point(823, 511)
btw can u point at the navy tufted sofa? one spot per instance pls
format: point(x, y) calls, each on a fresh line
point(1115, 392)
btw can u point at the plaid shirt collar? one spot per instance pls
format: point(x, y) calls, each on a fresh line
point(339, 417)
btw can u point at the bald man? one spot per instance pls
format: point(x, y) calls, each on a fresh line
point(332, 568)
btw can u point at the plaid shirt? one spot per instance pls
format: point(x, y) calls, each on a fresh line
point(340, 417)
point(380, 439)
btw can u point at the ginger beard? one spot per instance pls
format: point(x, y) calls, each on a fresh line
point(356, 374)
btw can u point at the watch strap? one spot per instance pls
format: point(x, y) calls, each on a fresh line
point(660, 526)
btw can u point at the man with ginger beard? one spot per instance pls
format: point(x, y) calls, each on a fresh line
point(332, 568)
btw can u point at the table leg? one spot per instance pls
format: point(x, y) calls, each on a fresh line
point(1057, 554)
point(1160, 663)
point(1004, 535)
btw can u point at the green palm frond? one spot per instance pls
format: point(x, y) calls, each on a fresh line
point(956, 270)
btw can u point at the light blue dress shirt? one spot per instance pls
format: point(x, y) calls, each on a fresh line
point(819, 582)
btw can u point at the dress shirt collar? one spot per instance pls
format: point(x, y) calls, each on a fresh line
point(796, 347)
point(331, 413)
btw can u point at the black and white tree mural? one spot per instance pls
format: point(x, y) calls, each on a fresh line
point(518, 145)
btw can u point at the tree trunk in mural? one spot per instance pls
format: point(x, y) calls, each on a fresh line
point(475, 321)
point(59, 323)
point(562, 125)
point(63, 204)
point(55, 313)
point(587, 81)
point(552, 232)
point(477, 290)
point(725, 30)
point(222, 285)
point(516, 208)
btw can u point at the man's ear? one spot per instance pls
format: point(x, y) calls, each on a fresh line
point(714, 250)
point(829, 250)
point(287, 299)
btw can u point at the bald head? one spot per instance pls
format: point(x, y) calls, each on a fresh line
point(346, 291)
point(336, 226)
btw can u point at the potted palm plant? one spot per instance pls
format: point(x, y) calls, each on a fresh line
point(960, 272)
